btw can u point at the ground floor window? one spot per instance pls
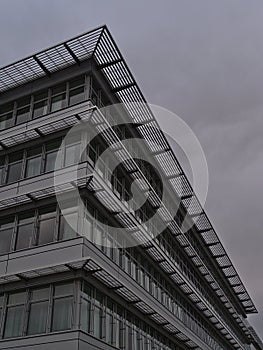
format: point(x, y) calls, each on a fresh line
point(37, 310)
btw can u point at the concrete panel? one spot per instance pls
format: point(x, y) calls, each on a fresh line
point(38, 257)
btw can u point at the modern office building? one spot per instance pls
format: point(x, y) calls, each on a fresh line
point(61, 286)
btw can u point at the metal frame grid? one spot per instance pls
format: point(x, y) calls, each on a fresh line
point(100, 45)
point(100, 273)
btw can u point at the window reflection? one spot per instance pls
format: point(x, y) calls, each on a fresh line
point(33, 162)
point(24, 237)
point(40, 106)
point(15, 167)
point(6, 233)
point(58, 99)
point(46, 225)
point(23, 110)
point(15, 315)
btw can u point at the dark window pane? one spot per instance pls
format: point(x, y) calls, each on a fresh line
point(24, 102)
point(6, 108)
point(47, 224)
point(2, 170)
point(15, 157)
point(53, 145)
point(67, 231)
point(22, 115)
point(38, 318)
point(72, 154)
point(58, 89)
point(46, 231)
point(50, 161)
point(14, 172)
point(5, 240)
point(33, 166)
point(85, 315)
point(40, 294)
point(97, 322)
point(76, 82)
point(51, 154)
point(16, 298)
point(63, 289)
point(41, 96)
point(40, 108)
point(62, 314)
point(6, 121)
point(58, 102)
point(24, 237)
point(14, 321)
point(76, 95)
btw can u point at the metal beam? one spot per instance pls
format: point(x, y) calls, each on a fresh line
point(72, 53)
point(123, 87)
point(42, 66)
point(108, 64)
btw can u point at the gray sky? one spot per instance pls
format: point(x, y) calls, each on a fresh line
point(200, 59)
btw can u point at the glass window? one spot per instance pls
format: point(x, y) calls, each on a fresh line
point(72, 150)
point(2, 169)
point(66, 230)
point(97, 325)
point(58, 100)
point(1, 305)
point(6, 233)
point(85, 315)
point(15, 315)
point(14, 172)
point(23, 110)
point(62, 314)
point(76, 90)
point(40, 105)
point(109, 322)
point(88, 226)
point(62, 307)
point(51, 155)
point(47, 225)
point(39, 302)
point(25, 230)
point(63, 289)
point(72, 153)
point(6, 116)
point(76, 95)
point(38, 318)
point(33, 162)
point(6, 121)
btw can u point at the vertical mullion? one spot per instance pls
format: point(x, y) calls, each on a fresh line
point(35, 228)
point(67, 94)
point(14, 235)
point(4, 311)
point(14, 112)
point(42, 166)
point(26, 310)
point(50, 308)
point(30, 116)
point(76, 305)
point(48, 100)
point(87, 87)
point(56, 231)
point(23, 168)
point(4, 176)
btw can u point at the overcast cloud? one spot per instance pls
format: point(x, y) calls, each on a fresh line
point(202, 60)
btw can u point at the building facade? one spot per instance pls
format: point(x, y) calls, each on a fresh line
point(81, 286)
